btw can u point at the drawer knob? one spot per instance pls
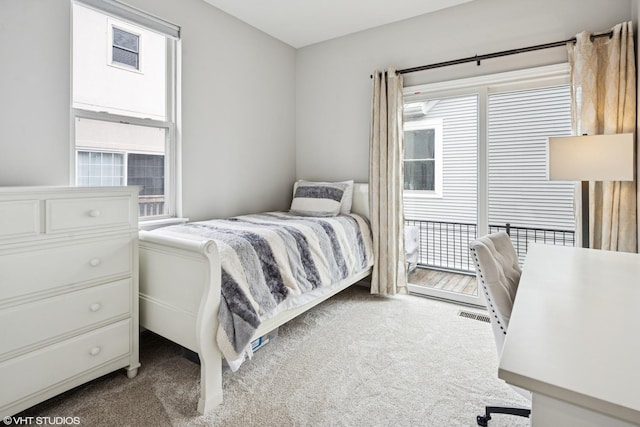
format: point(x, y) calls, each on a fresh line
point(95, 351)
point(94, 213)
point(95, 262)
point(95, 307)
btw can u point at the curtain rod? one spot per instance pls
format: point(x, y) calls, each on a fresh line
point(478, 58)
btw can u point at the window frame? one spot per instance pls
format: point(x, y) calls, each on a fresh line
point(436, 125)
point(116, 13)
point(169, 155)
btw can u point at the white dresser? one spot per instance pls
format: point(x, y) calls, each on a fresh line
point(68, 289)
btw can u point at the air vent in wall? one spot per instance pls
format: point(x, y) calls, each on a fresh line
point(475, 316)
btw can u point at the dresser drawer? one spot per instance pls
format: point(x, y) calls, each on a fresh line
point(51, 365)
point(26, 272)
point(65, 215)
point(19, 218)
point(46, 319)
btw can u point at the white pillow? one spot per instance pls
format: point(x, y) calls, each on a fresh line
point(347, 200)
point(318, 198)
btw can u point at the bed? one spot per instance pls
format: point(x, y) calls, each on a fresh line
point(184, 289)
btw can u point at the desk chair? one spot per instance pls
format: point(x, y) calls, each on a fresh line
point(498, 274)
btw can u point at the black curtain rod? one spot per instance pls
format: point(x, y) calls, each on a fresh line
point(478, 58)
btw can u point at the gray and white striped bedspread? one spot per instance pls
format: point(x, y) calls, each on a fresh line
point(270, 259)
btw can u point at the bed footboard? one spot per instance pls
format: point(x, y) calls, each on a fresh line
point(180, 299)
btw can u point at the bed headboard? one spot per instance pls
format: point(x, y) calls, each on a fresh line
point(360, 203)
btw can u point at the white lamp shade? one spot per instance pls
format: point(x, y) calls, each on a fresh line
point(591, 158)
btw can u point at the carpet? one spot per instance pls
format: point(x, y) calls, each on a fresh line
point(354, 360)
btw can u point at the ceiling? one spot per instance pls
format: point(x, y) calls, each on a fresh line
point(302, 22)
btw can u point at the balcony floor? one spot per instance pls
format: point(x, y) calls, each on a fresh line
point(452, 282)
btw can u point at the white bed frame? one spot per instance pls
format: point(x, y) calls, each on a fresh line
point(180, 296)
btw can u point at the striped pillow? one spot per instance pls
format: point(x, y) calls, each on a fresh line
point(318, 198)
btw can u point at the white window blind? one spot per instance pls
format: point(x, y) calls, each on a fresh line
point(134, 16)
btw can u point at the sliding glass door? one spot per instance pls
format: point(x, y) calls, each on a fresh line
point(475, 163)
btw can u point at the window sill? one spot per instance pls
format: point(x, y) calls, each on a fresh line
point(151, 224)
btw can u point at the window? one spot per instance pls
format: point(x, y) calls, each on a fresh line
point(124, 122)
point(125, 48)
point(100, 169)
point(148, 171)
point(420, 159)
point(423, 156)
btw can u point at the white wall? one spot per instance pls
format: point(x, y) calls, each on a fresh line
point(34, 92)
point(238, 104)
point(241, 89)
point(333, 87)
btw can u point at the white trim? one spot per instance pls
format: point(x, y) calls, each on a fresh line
point(445, 295)
point(482, 184)
point(133, 15)
point(511, 80)
point(108, 117)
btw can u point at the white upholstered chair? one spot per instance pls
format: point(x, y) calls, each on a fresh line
point(498, 274)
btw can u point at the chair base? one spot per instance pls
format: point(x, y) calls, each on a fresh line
point(483, 420)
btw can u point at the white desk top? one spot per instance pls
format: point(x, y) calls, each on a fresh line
point(574, 333)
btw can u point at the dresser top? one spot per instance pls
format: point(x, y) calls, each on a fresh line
point(47, 192)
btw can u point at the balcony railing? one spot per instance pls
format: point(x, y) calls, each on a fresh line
point(522, 236)
point(445, 245)
point(151, 205)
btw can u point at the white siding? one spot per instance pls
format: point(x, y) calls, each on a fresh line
point(519, 192)
point(459, 170)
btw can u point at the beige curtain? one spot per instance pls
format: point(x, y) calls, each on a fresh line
point(386, 153)
point(603, 79)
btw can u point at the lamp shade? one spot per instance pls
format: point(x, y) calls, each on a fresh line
point(591, 158)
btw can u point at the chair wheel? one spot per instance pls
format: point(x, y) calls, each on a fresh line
point(482, 420)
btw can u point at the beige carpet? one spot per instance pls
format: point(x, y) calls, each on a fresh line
point(355, 360)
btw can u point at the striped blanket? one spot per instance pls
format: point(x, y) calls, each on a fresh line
point(271, 260)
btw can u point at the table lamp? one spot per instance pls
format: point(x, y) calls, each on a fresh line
point(590, 158)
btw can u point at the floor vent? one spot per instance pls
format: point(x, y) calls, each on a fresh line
point(475, 316)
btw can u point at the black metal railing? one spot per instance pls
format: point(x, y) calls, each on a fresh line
point(522, 236)
point(445, 245)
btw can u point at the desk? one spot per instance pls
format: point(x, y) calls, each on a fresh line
point(574, 337)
